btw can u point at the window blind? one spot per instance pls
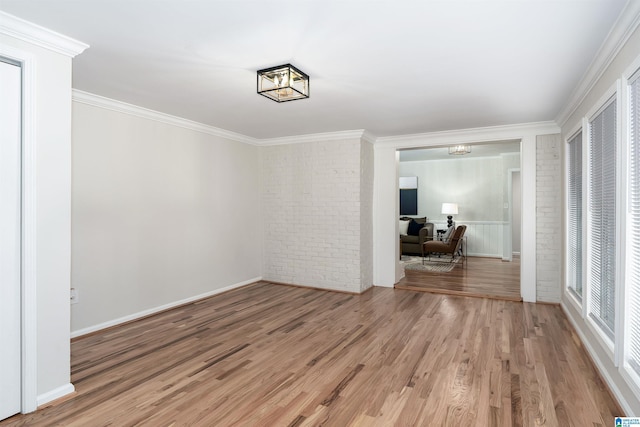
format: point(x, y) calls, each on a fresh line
point(602, 207)
point(574, 237)
point(633, 228)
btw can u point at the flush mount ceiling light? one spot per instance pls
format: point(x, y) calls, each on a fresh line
point(460, 150)
point(283, 83)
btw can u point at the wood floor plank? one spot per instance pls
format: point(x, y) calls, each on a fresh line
point(277, 355)
point(479, 277)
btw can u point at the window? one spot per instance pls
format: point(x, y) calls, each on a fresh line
point(574, 235)
point(602, 217)
point(633, 228)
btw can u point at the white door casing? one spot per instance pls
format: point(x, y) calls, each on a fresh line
point(10, 238)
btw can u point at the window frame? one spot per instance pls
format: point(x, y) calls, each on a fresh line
point(576, 300)
point(610, 345)
point(631, 377)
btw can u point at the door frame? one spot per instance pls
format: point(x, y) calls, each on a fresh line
point(28, 309)
point(507, 251)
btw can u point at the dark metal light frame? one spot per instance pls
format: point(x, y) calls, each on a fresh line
point(283, 83)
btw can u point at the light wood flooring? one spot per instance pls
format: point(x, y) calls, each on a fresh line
point(483, 277)
point(273, 355)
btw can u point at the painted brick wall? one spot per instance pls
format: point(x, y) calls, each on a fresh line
point(366, 215)
point(548, 218)
point(311, 200)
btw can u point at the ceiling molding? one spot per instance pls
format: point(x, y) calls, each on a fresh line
point(123, 107)
point(369, 137)
point(473, 135)
point(625, 25)
point(316, 137)
point(476, 135)
point(26, 31)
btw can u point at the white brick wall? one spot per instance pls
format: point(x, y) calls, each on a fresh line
point(548, 218)
point(311, 199)
point(366, 215)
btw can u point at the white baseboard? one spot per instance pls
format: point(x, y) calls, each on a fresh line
point(56, 393)
point(154, 310)
point(478, 254)
point(596, 360)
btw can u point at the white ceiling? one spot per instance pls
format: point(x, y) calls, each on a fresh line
point(392, 67)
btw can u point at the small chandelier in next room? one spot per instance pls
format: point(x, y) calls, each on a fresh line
point(460, 149)
point(283, 83)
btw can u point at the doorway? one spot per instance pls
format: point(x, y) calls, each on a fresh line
point(484, 183)
point(10, 237)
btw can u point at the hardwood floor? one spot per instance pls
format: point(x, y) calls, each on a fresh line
point(483, 277)
point(273, 355)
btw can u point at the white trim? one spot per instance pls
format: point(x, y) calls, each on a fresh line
point(507, 240)
point(145, 113)
point(528, 242)
point(315, 137)
point(471, 135)
point(621, 241)
point(565, 208)
point(39, 36)
point(160, 308)
point(625, 25)
point(626, 407)
point(574, 301)
point(630, 376)
point(585, 217)
point(607, 343)
point(29, 239)
point(29, 311)
point(56, 393)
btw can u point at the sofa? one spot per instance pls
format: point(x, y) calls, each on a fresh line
point(418, 232)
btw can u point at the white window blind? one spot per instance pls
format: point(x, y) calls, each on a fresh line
point(602, 218)
point(574, 237)
point(633, 228)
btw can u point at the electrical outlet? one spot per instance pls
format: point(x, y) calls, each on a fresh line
point(75, 297)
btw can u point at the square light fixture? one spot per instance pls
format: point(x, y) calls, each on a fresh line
point(460, 150)
point(283, 83)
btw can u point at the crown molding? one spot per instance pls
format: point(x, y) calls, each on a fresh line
point(145, 113)
point(476, 135)
point(472, 135)
point(622, 29)
point(26, 31)
point(123, 107)
point(316, 137)
point(369, 137)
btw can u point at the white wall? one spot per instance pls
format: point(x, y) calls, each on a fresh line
point(161, 214)
point(478, 185)
point(475, 184)
point(313, 209)
point(46, 207)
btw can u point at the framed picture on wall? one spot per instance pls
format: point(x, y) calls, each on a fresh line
point(408, 195)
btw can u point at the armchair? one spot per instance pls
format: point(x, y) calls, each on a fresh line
point(451, 246)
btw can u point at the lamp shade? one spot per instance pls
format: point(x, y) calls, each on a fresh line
point(450, 209)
